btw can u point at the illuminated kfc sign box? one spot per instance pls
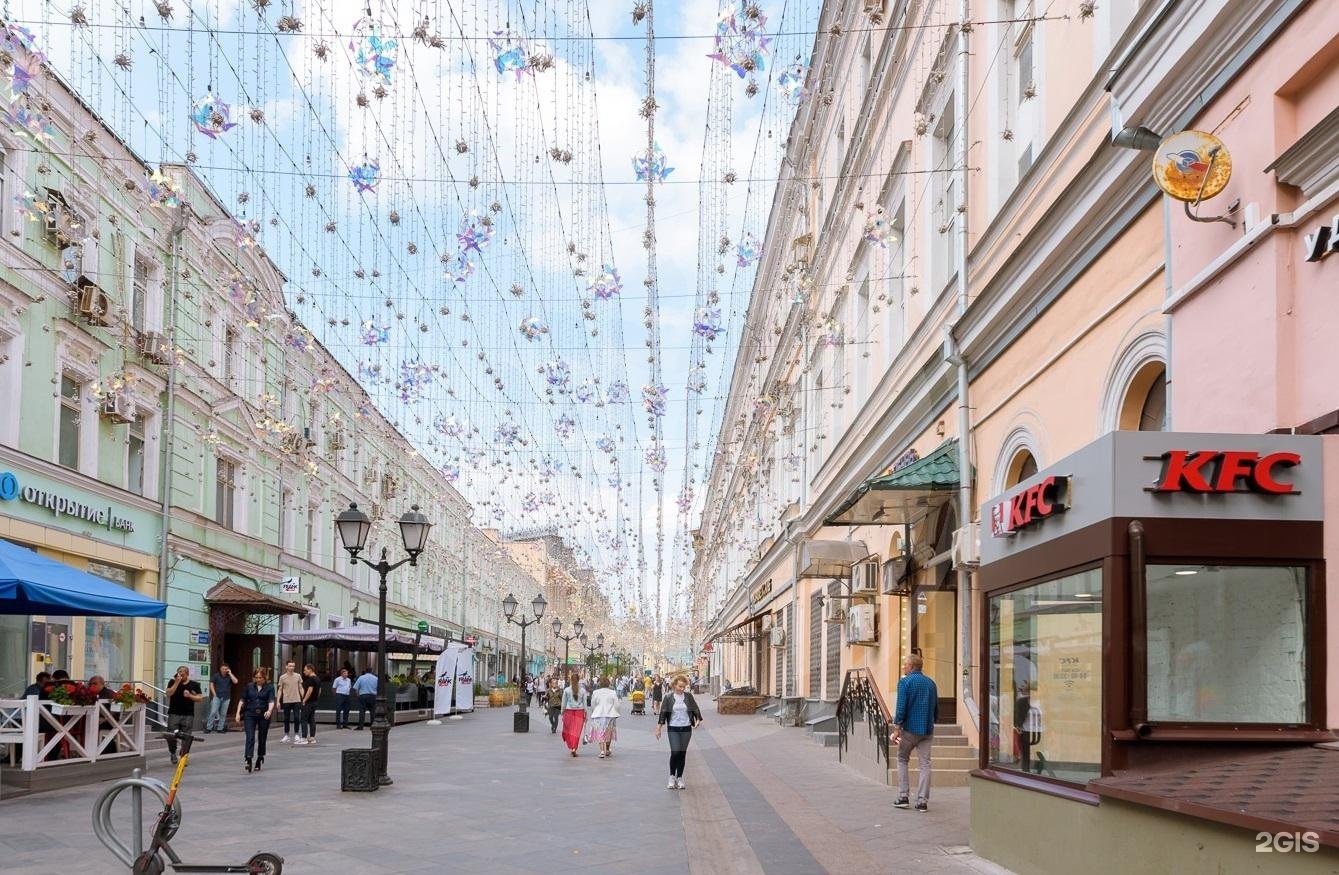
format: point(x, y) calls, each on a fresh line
point(1167, 475)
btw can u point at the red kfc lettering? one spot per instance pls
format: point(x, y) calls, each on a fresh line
point(1235, 465)
point(1223, 471)
point(1264, 473)
point(1045, 491)
point(1184, 470)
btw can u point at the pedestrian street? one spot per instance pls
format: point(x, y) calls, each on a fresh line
point(472, 796)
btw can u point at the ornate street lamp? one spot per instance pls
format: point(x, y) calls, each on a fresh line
point(590, 653)
point(354, 526)
point(567, 640)
point(521, 720)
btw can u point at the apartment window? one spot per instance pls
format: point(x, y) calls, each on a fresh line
point(71, 400)
point(1046, 678)
point(313, 532)
point(230, 355)
point(225, 492)
point(944, 242)
point(1019, 111)
point(1235, 637)
point(286, 519)
point(135, 456)
point(139, 294)
point(864, 341)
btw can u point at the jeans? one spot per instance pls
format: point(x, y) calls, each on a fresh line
point(308, 728)
point(218, 714)
point(183, 722)
point(921, 744)
point(679, 736)
point(292, 711)
point(256, 725)
point(554, 713)
point(367, 704)
point(341, 710)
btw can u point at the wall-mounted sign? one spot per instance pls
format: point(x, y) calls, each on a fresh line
point(762, 591)
point(1325, 241)
point(1042, 499)
point(470, 640)
point(198, 636)
point(1192, 166)
point(289, 586)
point(1223, 471)
point(60, 504)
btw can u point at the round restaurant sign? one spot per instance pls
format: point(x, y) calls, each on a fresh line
point(1192, 166)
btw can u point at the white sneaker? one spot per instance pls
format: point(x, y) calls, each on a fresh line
point(298, 741)
point(679, 784)
point(285, 740)
point(670, 785)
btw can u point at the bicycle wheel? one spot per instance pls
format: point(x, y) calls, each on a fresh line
point(266, 864)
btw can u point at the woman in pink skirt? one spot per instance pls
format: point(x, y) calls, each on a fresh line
point(575, 702)
point(603, 716)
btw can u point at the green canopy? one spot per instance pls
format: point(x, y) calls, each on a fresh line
point(905, 495)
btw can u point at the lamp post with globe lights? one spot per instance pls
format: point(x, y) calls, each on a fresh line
point(567, 640)
point(590, 653)
point(354, 526)
point(521, 720)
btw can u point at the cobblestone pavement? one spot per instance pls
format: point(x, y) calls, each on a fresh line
point(472, 796)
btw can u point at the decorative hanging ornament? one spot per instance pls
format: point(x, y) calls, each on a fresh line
point(606, 284)
point(364, 176)
point(697, 378)
point(563, 426)
point(604, 444)
point(23, 72)
point(511, 53)
point(557, 373)
point(878, 230)
point(790, 82)
point(29, 122)
point(451, 426)
point(685, 500)
point(740, 42)
point(651, 166)
point(374, 334)
point(374, 55)
point(475, 232)
point(212, 116)
point(459, 268)
point(707, 322)
point(162, 189)
point(748, 250)
point(451, 473)
point(415, 377)
point(587, 391)
point(618, 392)
point(655, 459)
point(532, 327)
point(654, 399)
point(507, 434)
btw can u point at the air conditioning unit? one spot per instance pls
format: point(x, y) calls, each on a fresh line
point(118, 408)
point(291, 443)
point(865, 578)
point(778, 636)
point(834, 611)
point(92, 302)
point(966, 549)
point(307, 437)
point(390, 486)
point(153, 346)
point(335, 441)
point(897, 575)
point(862, 625)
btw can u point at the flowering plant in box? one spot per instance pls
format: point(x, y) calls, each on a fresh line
point(128, 696)
point(71, 693)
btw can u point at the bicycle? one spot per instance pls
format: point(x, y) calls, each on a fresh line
point(169, 821)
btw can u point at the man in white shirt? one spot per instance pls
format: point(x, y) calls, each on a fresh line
point(343, 685)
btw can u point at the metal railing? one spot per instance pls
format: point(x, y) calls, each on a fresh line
point(861, 701)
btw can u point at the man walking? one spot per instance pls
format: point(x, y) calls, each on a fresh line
point(913, 729)
point(182, 694)
point(290, 700)
point(220, 687)
point(366, 688)
point(311, 689)
point(343, 686)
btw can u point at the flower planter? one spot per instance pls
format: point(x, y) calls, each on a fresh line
point(69, 710)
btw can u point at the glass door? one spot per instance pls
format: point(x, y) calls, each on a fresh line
point(934, 625)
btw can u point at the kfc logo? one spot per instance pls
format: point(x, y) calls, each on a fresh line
point(1039, 501)
point(1225, 471)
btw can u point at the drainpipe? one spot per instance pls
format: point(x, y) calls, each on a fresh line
point(168, 431)
point(965, 509)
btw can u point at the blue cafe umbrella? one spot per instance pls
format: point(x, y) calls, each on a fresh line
point(30, 583)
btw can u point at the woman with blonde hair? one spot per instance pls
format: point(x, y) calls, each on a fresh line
point(680, 713)
point(603, 716)
point(575, 703)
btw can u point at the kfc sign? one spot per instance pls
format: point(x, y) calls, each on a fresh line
point(1043, 499)
point(1223, 471)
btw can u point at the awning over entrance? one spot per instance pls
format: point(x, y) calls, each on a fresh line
point(829, 560)
point(905, 495)
point(31, 583)
point(251, 601)
point(732, 634)
point(362, 638)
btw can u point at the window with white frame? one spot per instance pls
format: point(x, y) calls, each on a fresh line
point(1018, 90)
point(864, 341)
point(11, 379)
point(286, 519)
point(71, 421)
point(231, 362)
point(135, 447)
point(225, 492)
point(892, 299)
point(139, 295)
point(313, 532)
point(944, 200)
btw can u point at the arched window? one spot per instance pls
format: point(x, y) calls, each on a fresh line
point(1145, 405)
point(1022, 466)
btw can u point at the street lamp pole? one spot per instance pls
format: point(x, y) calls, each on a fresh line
point(354, 526)
point(590, 653)
point(567, 640)
point(521, 720)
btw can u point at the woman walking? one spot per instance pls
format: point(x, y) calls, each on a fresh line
point(603, 716)
point(257, 704)
point(680, 713)
point(575, 702)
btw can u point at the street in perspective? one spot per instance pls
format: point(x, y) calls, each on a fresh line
point(733, 437)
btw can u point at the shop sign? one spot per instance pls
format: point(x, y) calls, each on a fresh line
point(1324, 241)
point(762, 591)
point(470, 640)
point(1039, 501)
point(1225, 471)
point(198, 636)
point(289, 586)
point(60, 504)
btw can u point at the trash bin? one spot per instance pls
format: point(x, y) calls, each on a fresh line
point(358, 771)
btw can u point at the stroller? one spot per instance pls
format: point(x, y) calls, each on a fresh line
point(638, 702)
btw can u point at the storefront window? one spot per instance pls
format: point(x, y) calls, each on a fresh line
point(107, 640)
point(1226, 643)
point(15, 662)
point(1046, 678)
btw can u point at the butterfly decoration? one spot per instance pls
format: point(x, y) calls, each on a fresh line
point(748, 250)
point(374, 55)
point(532, 327)
point(373, 334)
point(364, 176)
point(511, 54)
point(475, 232)
point(739, 42)
point(619, 392)
point(790, 82)
point(557, 373)
point(212, 116)
point(707, 322)
point(654, 399)
point(651, 166)
point(606, 284)
point(563, 426)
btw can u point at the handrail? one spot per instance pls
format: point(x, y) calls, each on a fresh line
point(860, 696)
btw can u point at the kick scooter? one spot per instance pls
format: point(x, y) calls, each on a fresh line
point(151, 862)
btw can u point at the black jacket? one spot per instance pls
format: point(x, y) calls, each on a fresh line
point(667, 709)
